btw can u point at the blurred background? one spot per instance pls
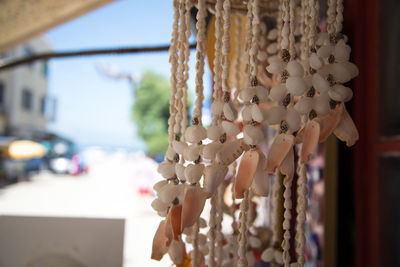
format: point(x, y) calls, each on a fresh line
point(81, 136)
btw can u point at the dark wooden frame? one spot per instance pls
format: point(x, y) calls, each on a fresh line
point(362, 24)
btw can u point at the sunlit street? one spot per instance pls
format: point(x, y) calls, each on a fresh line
point(111, 189)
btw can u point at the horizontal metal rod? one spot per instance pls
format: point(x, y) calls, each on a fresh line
point(89, 52)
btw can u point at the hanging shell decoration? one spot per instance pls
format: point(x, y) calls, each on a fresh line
point(278, 92)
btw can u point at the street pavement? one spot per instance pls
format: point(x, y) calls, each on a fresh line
point(109, 190)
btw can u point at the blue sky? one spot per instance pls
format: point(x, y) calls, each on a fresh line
point(93, 109)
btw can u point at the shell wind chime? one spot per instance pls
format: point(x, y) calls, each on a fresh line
point(289, 80)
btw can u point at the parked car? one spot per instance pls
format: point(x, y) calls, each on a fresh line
point(63, 157)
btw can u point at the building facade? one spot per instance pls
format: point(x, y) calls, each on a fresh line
point(24, 93)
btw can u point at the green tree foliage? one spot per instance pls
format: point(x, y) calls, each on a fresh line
point(151, 112)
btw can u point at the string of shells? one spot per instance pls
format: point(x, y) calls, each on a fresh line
point(287, 84)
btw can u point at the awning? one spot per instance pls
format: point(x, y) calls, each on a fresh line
point(20, 20)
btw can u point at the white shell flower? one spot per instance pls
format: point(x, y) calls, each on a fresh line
point(179, 146)
point(195, 133)
point(193, 172)
point(253, 135)
point(210, 150)
point(192, 153)
point(230, 128)
point(166, 169)
point(214, 132)
point(289, 118)
point(295, 69)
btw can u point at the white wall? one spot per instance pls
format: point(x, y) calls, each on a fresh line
point(30, 77)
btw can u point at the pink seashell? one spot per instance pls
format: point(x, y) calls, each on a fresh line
point(174, 219)
point(346, 129)
point(256, 113)
point(192, 153)
point(276, 67)
point(179, 146)
point(295, 69)
point(330, 122)
point(287, 165)
point(230, 151)
point(193, 205)
point(166, 169)
point(214, 132)
point(180, 172)
point(315, 62)
point(279, 148)
point(278, 92)
point(263, 77)
point(175, 251)
point(159, 247)
point(260, 185)
point(310, 141)
point(296, 86)
point(246, 171)
point(253, 135)
point(213, 177)
point(193, 173)
point(210, 150)
point(304, 105)
point(231, 128)
point(276, 115)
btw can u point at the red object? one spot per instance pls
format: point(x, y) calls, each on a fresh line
point(144, 191)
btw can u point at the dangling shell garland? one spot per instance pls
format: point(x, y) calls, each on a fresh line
point(296, 89)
